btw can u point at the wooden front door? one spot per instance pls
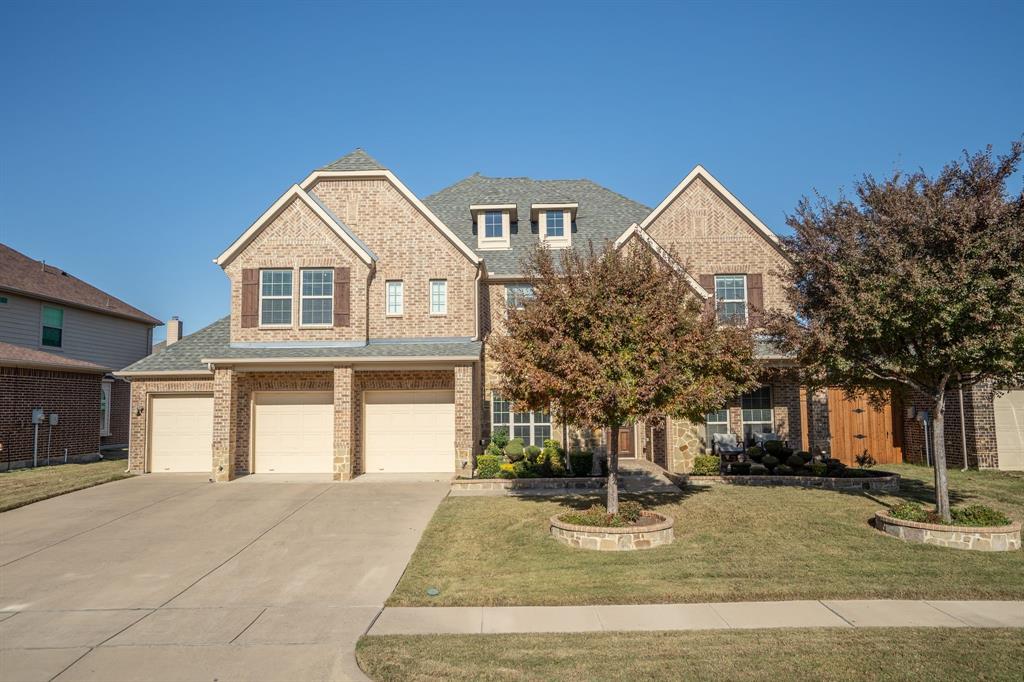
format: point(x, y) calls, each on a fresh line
point(855, 426)
point(627, 446)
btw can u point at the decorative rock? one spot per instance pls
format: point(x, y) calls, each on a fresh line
point(982, 539)
point(615, 539)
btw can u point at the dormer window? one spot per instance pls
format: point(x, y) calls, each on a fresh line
point(554, 223)
point(493, 224)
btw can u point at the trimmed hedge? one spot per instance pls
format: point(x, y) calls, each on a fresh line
point(488, 466)
point(706, 465)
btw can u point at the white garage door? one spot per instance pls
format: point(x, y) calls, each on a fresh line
point(181, 433)
point(409, 431)
point(1010, 430)
point(293, 433)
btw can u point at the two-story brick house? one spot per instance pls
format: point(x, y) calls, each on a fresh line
point(356, 340)
point(60, 340)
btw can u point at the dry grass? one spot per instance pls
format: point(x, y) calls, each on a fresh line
point(732, 543)
point(25, 486)
point(825, 654)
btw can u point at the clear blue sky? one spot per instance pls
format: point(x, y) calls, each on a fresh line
point(138, 140)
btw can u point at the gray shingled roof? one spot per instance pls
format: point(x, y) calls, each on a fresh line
point(213, 342)
point(602, 214)
point(356, 160)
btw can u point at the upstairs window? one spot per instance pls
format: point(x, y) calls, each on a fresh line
point(317, 297)
point(554, 222)
point(516, 295)
point(494, 222)
point(53, 327)
point(731, 299)
point(438, 297)
point(394, 298)
point(275, 298)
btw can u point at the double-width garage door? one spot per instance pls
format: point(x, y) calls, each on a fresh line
point(409, 431)
point(181, 434)
point(293, 433)
point(1009, 408)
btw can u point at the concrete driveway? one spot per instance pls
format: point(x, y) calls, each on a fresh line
point(169, 577)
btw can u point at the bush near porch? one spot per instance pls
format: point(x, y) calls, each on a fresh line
point(731, 543)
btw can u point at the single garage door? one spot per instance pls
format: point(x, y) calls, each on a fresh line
point(409, 431)
point(293, 433)
point(1010, 430)
point(181, 433)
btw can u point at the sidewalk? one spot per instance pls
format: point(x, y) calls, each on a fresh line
point(724, 616)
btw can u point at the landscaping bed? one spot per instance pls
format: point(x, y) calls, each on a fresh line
point(975, 527)
point(834, 653)
point(632, 528)
point(512, 460)
point(731, 543)
point(874, 480)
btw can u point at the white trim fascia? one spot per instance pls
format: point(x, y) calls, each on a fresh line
point(660, 251)
point(513, 209)
point(341, 360)
point(570, 206)
point(293, 192)
point(143, 373)
point(404, 191)
point(700, 171)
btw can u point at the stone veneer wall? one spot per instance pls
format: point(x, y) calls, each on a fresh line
point(141, 389)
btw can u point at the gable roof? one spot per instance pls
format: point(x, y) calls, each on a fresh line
point(20, 274)
point(297, 193)
point(700, 172)
point(599, 218)
point(661, 252)
point(12, 355)
point(356, 160)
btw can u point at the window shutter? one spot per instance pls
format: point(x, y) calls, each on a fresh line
point(755, 299)
point(708, 282)
point(341, 297)
point(250, 297)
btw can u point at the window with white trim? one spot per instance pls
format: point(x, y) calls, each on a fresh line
point(494, 224)
point(318, 297)
point(554, 223)
point(758, 416)
point(438, 297)
point(105, 408)
point(275, 298)
point(394, 298)
point(731, 298)
point(533, 427)
point(516, 295)
point(716, 422)
point(53, 327)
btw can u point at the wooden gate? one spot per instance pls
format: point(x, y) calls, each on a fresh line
point(855, 426)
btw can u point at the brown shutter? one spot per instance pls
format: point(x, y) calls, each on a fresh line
point(708, 282)
point(250, 297)
point(755, 299)
point(341, 297)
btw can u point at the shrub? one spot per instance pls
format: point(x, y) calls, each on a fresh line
point(597, 515)
point(804, 455)
point(500, 437)
point(630, 511)
point(493, 449)
point(784, 470)
point(774, 447)
point(834, 465)
point(865, 461)
point(770, 461)
point(551, 460)
point(523, 469)
point(488, 466)
point(979, 515)
point(532, 453)
point(706, 465)
point(795, 461)
point(514, 450)
point(909, 511)
point(739, 468)
point(758, 470)
point(582, 462)
point(753, 451)
point(506, 470)
point(817, 469)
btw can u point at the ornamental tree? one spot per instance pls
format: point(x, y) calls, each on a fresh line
point(916, 284)
point(615, 336)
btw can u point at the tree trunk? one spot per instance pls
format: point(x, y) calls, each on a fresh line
point(939, 452)
point(612, 488)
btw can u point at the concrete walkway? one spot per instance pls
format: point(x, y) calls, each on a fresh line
point(721, 616)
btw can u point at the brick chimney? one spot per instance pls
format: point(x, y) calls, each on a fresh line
point(173, 330)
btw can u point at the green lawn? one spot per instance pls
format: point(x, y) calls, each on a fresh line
point(25, 486)
point(827, 654)
point(732, 543)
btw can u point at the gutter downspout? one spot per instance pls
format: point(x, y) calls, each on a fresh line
point(963, 425)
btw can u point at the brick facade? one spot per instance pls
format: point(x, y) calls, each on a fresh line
point(141, 390)
point(979, 422)
point(120, 413)
point(74, 397)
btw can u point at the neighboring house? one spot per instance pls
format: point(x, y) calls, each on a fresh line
point(60, 340)
point(359, 318)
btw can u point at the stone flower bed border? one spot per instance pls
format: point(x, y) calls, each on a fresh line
point(981, 539)
point(622, 539)
point(512, 484)
point(884, 482)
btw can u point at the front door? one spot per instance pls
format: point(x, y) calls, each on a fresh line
point(627, 446)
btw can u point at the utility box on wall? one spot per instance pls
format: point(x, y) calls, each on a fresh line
point(37, 416)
